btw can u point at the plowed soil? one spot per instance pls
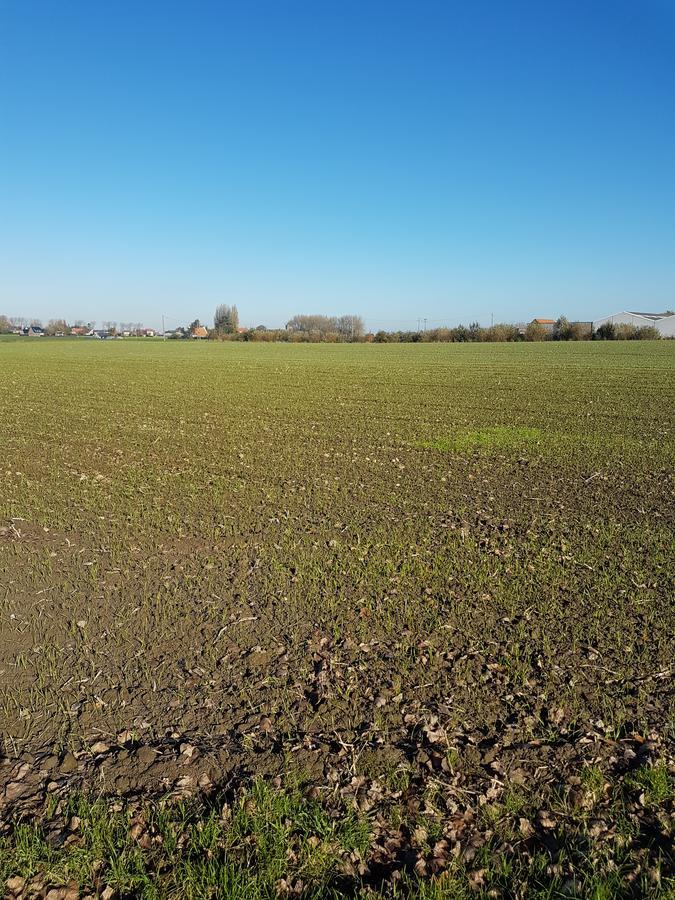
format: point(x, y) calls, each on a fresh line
point(420, 568)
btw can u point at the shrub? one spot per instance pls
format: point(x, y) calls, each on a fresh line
point(648, 333)
point(536, 332)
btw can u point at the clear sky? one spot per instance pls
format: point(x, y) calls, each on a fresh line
point(447, 160)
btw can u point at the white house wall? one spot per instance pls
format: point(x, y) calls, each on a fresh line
point(666, 326)
point(622, 318)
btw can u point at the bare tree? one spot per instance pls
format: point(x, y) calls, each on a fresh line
point(57, 326)
point(346, 328)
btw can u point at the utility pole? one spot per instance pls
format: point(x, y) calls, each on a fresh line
point(425, 324)
point(492, 319)
point(418, 323)
point(163, 328)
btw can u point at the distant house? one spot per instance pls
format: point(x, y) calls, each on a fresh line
point(34, 331)
point(664, 322)
point(200, 332)
point(547, 324)
point(79, 330)
point(100, 334)
point(149, 332)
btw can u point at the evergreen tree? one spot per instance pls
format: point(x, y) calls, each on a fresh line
point(226, 319)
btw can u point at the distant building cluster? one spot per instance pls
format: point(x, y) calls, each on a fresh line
point(59, 328)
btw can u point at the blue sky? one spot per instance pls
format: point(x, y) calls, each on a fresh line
point(395, 159)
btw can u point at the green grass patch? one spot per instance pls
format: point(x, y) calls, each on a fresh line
point(654, 782)
point(268, 842)
point(497, 437)
point(253, 848)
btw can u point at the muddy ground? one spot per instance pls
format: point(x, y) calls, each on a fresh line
point(429, 578)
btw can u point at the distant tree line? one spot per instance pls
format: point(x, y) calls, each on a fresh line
point(336, 329)
point(327, 328)
point(562, 330)
point(348, 328)
point(473, 333)
point(613, 332)
point(10, 323)
point(299, 329)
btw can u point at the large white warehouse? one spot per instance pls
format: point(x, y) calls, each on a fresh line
point(663, 322)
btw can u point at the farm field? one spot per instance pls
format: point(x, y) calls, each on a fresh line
point(339, 620)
